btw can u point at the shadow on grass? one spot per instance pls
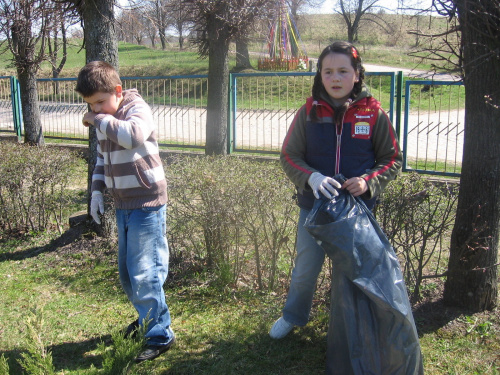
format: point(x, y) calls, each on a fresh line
point(257, 354)
point(431, 315)
point(69, 356)
point(300, 353)
point(68, 237)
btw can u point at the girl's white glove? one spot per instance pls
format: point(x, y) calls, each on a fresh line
point(96, 206)
point(326, 185)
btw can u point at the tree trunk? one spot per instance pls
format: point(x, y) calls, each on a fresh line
point(242, 56)
point(181, 40)
point(218, 76)
point(101, 45)
point(99, 33)
point(163, 38)
point(472, 270)
point(33, 134)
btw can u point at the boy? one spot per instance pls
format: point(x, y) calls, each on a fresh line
point(129, 166)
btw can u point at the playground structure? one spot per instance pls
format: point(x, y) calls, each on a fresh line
point(284, 46)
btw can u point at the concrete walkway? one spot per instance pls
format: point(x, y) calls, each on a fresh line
point(413, 73)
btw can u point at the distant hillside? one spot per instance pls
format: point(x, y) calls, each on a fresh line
point(389, 46)
point(386, 45)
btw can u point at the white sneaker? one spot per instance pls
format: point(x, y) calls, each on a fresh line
point(280, 329)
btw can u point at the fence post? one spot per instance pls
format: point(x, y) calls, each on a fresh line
point(399, 102)
point(405, 133)
point(17, 113)
point(231, 115)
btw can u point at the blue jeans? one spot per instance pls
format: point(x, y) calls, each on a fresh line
point(308, 263)
point(143, 267)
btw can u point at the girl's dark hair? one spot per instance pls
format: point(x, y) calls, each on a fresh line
point(318, 89)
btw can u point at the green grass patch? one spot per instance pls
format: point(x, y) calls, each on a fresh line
point(434, 165)
point(219, 330)
point(71, 281)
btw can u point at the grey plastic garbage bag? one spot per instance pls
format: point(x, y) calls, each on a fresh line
point(371, 329)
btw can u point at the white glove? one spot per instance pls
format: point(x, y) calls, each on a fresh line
point(96, 206)
point(326, 185)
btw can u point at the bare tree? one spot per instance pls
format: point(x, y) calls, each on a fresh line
point(473, 265)
point(216, 23)
point(132, 26)
point(354, 12)
point(242, 55)
point(26, 26)
point(471, 46)
point(57, 42)
point(157, 12)
point(179, 17)
point(150, 30)
point(296, 6)
point(101, 44)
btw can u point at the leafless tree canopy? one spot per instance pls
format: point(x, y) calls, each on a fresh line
point(356, 11)
point(446, 49)
point(232, 17)
point(26, 26)
point(296, 6)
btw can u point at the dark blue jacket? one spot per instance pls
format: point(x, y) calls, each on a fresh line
point(364, 145)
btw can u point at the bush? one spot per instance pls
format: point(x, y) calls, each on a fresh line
point(235, 215)
point(34, 186)
point(417, 216)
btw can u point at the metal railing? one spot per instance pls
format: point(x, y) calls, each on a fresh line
point(10, 106)
point(261, 108)
point(433, 127)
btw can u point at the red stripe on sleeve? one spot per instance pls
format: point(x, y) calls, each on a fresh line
point(285, 143)
point(393, 158)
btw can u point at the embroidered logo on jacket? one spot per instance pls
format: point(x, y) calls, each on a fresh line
point(363, 124)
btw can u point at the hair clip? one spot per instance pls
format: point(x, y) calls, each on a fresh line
point(315, 102)
point(354, 53)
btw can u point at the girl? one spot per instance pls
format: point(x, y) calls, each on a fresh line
point(340, 129)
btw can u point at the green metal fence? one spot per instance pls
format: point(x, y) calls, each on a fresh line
point(262, 106)
point(428, 115)
point(10, 106)
point(433, 127)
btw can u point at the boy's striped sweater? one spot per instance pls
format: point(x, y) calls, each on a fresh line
point(128, 160)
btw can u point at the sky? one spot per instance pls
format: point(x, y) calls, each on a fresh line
point(328, 5)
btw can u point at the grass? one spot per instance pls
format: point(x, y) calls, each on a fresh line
point(434, 165)
point(71, 280)
point(220, 330)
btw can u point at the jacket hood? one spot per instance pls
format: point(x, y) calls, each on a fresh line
point(129, 96)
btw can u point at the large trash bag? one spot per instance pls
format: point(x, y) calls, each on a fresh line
point(371, 329)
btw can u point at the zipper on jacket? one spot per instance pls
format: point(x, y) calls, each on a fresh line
point(339, 130)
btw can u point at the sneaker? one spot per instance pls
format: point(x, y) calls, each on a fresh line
point(280, 329)
point(152, 351)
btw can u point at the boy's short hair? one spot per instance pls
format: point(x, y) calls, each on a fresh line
point(97, 76)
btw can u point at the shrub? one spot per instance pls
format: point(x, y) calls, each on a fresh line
point(33, 186)
point(37, 360)
point(236, 215)
point(417, 216)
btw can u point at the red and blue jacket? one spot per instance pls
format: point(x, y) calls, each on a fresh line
point(363, 145)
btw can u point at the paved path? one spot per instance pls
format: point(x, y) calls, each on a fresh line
point(413, 73)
